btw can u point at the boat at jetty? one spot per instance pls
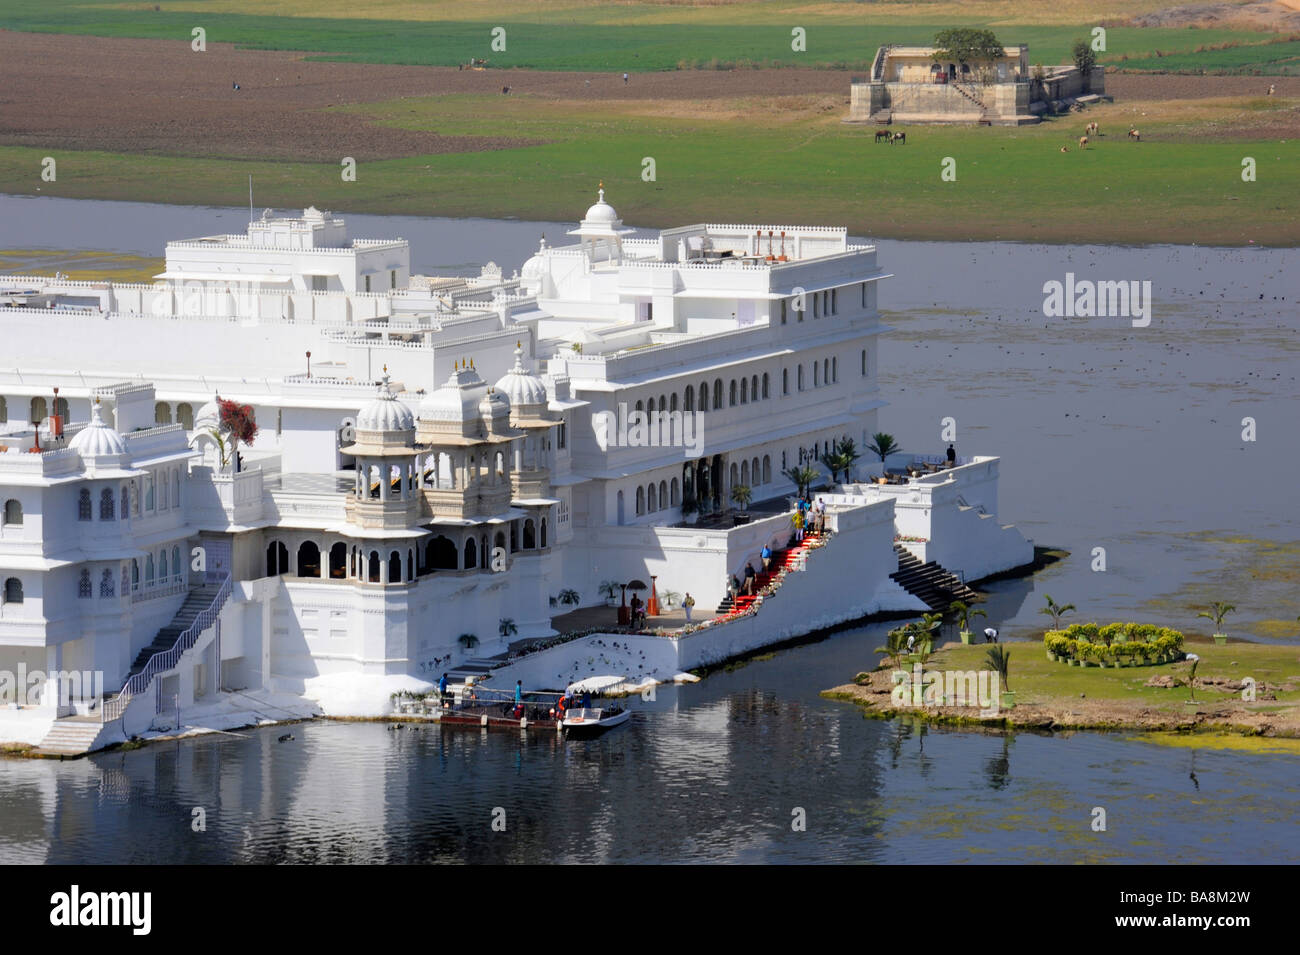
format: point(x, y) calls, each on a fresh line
point(591, 720)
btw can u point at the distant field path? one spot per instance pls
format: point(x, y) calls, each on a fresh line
point(159, 97)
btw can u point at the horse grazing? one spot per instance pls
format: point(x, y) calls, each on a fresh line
point(1134, 135)
point(898, 138)
point(883, 134)
point(1083, 142)
point(1092, 130)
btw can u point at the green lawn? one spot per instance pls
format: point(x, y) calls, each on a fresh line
point(600, 39)
point(712, 164)
point(1035, 679)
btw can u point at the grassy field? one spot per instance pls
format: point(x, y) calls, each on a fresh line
point(1034, 678)
point(638, 37)
point(801, 165)
point(83, 266)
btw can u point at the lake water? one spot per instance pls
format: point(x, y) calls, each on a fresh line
point(1115, 437)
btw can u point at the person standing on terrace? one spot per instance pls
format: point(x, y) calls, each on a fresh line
point(952, 456)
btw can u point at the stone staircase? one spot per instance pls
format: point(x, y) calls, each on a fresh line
point(195, 603)
point(71, 736)
point(475, 667)
point(970, 95)
point(935, 586)
point(781, 559)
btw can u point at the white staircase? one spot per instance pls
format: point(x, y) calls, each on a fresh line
point(71, 736)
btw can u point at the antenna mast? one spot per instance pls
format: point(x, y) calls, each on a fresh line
point(250, 198)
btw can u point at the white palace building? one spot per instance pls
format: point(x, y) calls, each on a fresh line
point(434, 457)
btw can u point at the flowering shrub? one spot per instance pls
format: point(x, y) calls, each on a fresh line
point(1116, 641)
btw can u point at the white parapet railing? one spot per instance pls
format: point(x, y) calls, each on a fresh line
point(167, 659)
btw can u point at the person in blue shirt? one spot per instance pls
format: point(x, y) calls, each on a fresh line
point(767, 558)
point(442, 687)
point(519, 692)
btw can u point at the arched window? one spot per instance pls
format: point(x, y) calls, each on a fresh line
point(500, 540)
point(530, 534)
point(674, 493)
point(688, 402)
point(13, 591)
point(471, 554)
point(753, 388)
point(177, 569)
point(732, 394)
point(148, 570)
point(162, 566)
point(373, 568)
point(640, 500)
point(620, 507)
point(717, 393)
point(83, 505)
point(106, 584)
point(39, 410)
point(826, 371)
point(135, 575)
point(395, 567)
point(744, 391)
point(765, 395)
point(4, 410)
point(410, 564)
point(339, 561)
point(106, 510)
point(767, 469)
point(308, 559)
point(816, 374)
point(176, 487)
point(148, 492)
point(162, 492)
point(835, 368)
point(735, 474)
point(663, 495)
point(483, 552)
point(744, 472)
point(542, 540)
point(799, 383)
point(185, 415)
point(754, 473)
point(704, 396)
point(785, 381)
point(672, 402)
point(651, 498)
point(162, 413)
point(277, 559)
point(84, 588)
point(126, 501)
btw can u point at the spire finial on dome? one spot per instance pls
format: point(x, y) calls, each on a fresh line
point(95, 417)
point(600, 190)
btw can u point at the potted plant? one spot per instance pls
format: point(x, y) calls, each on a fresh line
point(965, 614)
point(608, 589)
point(506, 627)
point(569, 597)
point(1218, 610)
point(742, 494)
point(690, 509)
point(999, 658)
point(1055, 611)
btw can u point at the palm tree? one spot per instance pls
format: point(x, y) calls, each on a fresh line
point(802, 477)
point(844, 453)
point(883, 445)
point(965, 613)
point(1218, 610)
point(895, 644)
point(1056, 611)
point(999, 658)
point(569, 597)
point(929, 626)
point(742, 494)
point(507, 627)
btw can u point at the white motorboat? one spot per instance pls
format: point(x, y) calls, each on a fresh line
point(595, 720)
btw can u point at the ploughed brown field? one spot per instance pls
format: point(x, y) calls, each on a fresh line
point(159, 97)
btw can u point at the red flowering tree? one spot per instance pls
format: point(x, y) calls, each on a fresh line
point(238, 422)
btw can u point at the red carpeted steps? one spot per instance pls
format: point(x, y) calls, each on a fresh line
point(781, 560)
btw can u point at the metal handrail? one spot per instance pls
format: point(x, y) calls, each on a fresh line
point(165, 660)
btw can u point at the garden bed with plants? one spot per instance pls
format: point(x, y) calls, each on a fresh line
point(1113, 645)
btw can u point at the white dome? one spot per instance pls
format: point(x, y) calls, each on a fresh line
point(602, 213)
point(520, 386)
point(456, 401)
point(494, 405)
point(207, 417)
point(385, 413)
point(97, 439)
